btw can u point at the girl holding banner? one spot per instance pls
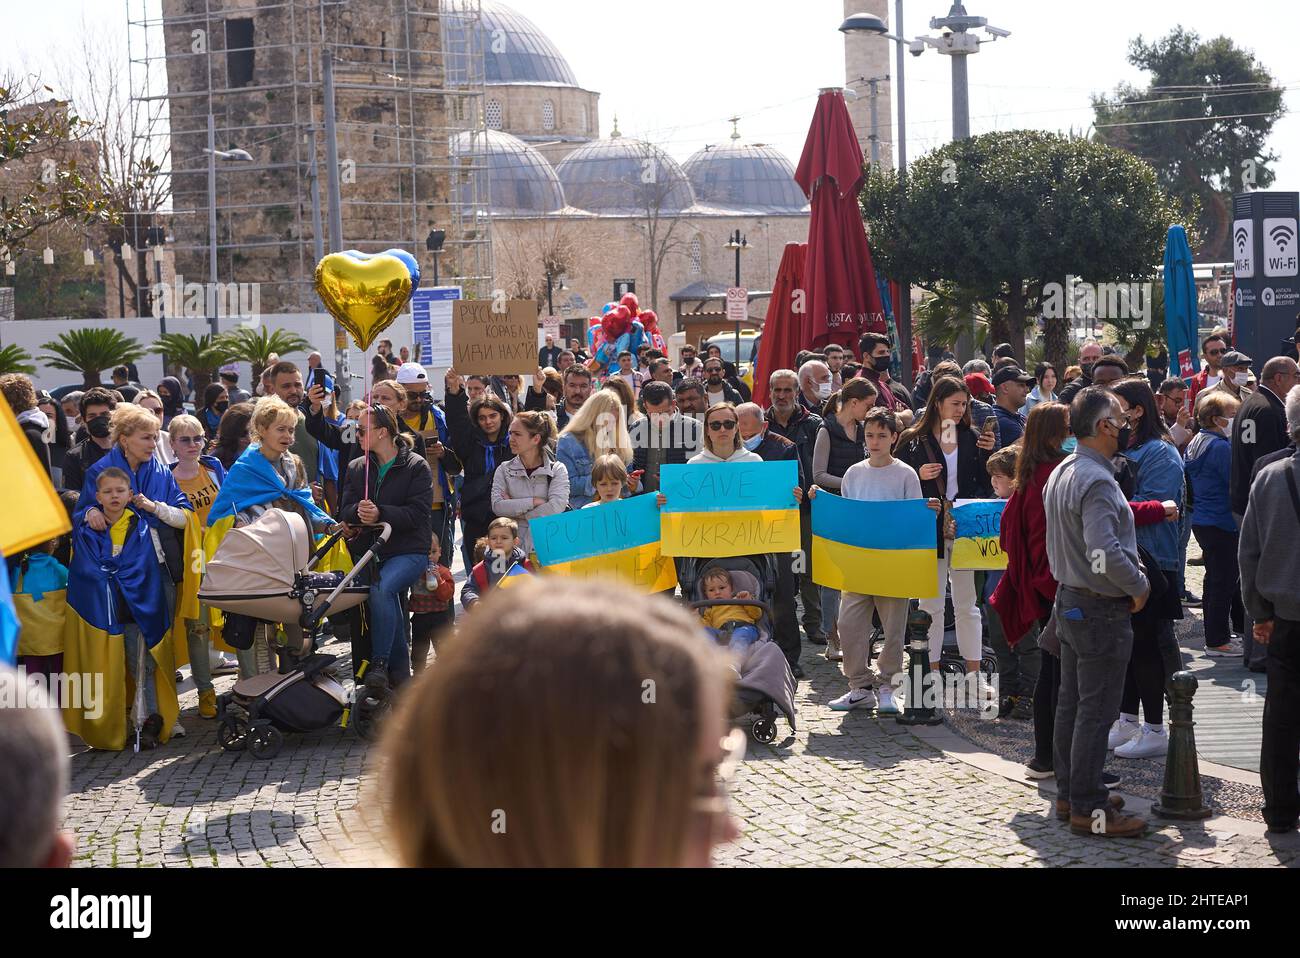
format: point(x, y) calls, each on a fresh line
point(949, 456)
point(534, 483)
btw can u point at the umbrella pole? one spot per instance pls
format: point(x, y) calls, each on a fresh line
point(138, 707)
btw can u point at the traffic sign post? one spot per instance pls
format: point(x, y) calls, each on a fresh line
point(737, 312)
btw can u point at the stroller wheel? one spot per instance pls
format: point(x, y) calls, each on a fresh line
point(265, 742)
point(368, 715)
point(232, 734)
point(764, 730)
point(989, 664)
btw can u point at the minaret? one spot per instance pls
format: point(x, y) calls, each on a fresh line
point(867, 56)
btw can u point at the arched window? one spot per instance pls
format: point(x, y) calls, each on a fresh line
point(697, 256)
point(494, 115)
point(548, 115)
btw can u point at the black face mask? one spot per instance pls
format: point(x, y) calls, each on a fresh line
point(99, 427)
point(1087, 369)
point(222, 406)
point(1123, 438)
point(882, 364)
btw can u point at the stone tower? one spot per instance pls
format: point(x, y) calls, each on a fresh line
point(257, 69)
point(867, 56)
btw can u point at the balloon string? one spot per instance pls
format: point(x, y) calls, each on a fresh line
point(365, 382)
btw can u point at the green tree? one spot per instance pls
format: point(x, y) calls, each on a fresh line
point(46, 181)
point(255, 345)
point(1202, 122)
point(1004, 214)
point(15, 359)
point(89, 351)
point(202, 355)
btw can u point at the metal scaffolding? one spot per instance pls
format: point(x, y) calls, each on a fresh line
point(408, 76)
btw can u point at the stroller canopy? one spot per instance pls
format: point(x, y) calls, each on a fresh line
point(261, 557)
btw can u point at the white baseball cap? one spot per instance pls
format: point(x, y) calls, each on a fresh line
point(410, 373)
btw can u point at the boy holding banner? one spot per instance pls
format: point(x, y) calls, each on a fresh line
point(880, 477)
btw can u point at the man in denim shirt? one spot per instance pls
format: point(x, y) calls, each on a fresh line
point(1092, 550)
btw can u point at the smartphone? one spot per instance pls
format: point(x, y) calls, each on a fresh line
point(989, 426)
point(318, 376)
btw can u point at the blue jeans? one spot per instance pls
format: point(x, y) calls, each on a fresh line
point(387, 630)
point(742, 637)
point(830, 608)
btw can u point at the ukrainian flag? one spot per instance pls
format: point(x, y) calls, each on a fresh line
point(714, 510)
point(617, 540)
point(875, 548)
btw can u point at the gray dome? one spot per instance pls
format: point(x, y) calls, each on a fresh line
point(745, 178)
point(610, 176)
point(519, 180)
point(526, 56)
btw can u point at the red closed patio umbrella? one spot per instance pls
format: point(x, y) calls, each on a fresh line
point(839, 278)
point(782, 327)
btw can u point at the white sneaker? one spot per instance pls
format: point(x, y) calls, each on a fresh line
point(887, 704)
point(1122, 731)
point(833, 651)
point(226, 664)
point(1151, 743)
point(855, 699)
point(1232, 650)
point(178, 730)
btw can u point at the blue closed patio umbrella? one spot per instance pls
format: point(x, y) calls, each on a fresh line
point(1181, 321)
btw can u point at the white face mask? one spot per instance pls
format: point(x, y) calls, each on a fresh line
point(1241, 379)
point(1227, 430)
point(72, 423)
point(824, 389)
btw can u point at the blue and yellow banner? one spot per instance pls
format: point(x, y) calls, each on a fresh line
point(714, 510)
point(979, 526)
point(875, 548)
point(619, 540)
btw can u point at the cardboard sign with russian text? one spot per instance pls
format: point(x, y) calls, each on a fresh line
point(490, 343)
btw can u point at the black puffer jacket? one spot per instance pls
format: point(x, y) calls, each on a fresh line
point(478, 457)
point(404, 498)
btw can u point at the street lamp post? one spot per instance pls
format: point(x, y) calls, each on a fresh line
point(867, 23)
point(739, 244)
point(433, 243)
point(213, 155)
point(155, 239)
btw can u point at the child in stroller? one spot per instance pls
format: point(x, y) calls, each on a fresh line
point(765, 683)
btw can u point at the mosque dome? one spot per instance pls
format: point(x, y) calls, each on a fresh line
point(519, 180)
point(514, 49)
point(624, 175)
point(745, 178)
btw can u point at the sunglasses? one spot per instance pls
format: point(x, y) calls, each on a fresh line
point(720, 424)
point(189, 440)
point(1215, 352)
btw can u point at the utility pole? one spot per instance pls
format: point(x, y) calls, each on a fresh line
point(342, 374)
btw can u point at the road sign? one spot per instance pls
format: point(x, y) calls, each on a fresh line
point(737, 305)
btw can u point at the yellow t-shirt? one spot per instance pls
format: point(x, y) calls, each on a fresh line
point(716, 616)
point(117, 531)
point(430, 436)
point(201, 491)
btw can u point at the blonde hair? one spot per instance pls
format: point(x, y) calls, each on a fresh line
point(128, 419)
point(184, 423)
point(587, 773)
point(397, 388)
point(608, 467)
point(269, 411)
point(601, 426)
point(504, 522)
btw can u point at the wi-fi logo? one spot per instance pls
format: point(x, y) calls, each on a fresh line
point(1240, 237)
point(1282, 236)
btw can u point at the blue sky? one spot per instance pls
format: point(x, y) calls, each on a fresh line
point(673, 70)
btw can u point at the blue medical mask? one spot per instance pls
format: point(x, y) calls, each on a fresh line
point(1070, 445)
point(754, 441)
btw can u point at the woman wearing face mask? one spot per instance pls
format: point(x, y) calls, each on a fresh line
point(840, 444)
point(215, 403)
point(1155, 656)
point(172, 395)
point(1209, 461)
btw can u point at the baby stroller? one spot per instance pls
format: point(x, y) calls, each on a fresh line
point(766, 684)
point(264, 571)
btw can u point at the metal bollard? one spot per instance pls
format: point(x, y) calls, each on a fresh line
point(1181, 796)
point(918, 673)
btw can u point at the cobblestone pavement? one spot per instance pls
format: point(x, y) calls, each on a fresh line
point(848, 789)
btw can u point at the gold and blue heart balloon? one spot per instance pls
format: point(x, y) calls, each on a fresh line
point(365, 292)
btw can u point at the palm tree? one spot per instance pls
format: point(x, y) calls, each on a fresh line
point(255, 346)
point(202, 355)
point(15, 359)
point(87, 351)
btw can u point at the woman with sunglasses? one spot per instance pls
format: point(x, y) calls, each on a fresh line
point(200, 478)
point(584, 775)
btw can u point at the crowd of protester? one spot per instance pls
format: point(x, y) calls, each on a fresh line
point(1107, 472)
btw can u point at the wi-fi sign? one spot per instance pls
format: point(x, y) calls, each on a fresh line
point(1241, 238)
point(1282, 236)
